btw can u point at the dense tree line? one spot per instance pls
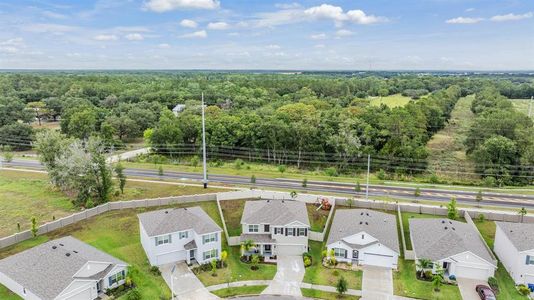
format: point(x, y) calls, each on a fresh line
point(302, 119)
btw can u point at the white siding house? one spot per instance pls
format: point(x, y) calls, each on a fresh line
point(454, 246)
point(514, 245)
point(183, 234)
point(277, 227)
point(364, 237)
point(63, 269)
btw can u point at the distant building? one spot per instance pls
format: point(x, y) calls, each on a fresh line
point(180, 234)
point(62, 269)
point(178, 109)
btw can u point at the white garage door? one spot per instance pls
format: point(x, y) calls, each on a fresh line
point(472, 273)
point(83, 295)
point(289, 249)
point(172, 257)
point(372, 259)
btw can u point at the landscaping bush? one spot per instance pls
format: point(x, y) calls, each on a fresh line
point(89, 204)
point(155, 271)
point(523, 290)
point(307, 261)
point(381, 174)
point(492, 281)
point(238, 164)
point(331, 171)
point(133, 295)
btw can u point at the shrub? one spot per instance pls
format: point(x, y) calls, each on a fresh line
point(304, 182)
point(34, 229)
point(89, 204)
point(307, 261)
point(282, 168)
point(381, 174)
point(523, 290)
point(490, 181)
point(481, 218)
point(341, 286)
point(238, 164)
point(492, 281)
point(133, 295)
point(335, 273)
point(331, 171)
point(155, 270)
point(324, 253)
point(195, 161)
point(434, 178)
point(8, 156)
point(253, 179)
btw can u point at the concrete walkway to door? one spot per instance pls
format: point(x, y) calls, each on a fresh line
point(186, 285)
point(377, 283)
point(289, 275)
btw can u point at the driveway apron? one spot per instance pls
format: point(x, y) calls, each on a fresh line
point(467, 288)
point(186, 284)
point(289, 275)
point(377, 283)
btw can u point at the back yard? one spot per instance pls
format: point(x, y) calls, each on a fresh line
point(24, 195)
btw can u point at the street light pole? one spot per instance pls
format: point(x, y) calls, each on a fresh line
point(368, 171)
point(205, 180)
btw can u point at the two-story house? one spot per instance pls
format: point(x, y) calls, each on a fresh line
point(62, 269)
point(179, 234)
point(277, 227)
point(514, 245)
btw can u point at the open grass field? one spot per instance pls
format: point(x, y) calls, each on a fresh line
point(391, 101)
point(240, 291)
point(24, 195)
point(506, 284)
point(317, 274)
point(316, 294)
point(447, 150)
point(406, 284)
point(232, 211)
point(522, 105)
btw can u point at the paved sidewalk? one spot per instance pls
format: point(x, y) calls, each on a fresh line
point(331, 289)
point(186, 285)
point(289, 275)
point(238, 284)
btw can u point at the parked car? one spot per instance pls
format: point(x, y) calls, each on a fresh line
point(485, 292)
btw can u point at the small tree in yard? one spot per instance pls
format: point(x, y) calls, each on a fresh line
point(422, 265)
point(341, 286)
point(8, 154)
point(358, 187)
point(481, 218)
point(119, 170)
point(479, 197)
point(213, 264)
point(293, 194)
point(304, 182)
point(522, 212)
point(417, 193)
point(437, 279)
point(253, 178)
point(452, 210)
point(349, 202)
point(282, 168)
point(255, 261)
point(34, 228)
point(224, 256)
point(160, 170)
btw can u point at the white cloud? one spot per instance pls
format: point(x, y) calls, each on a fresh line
point(318, 36)
point(134, 37)
point(188, 23)
point(13, 42)
point(168, 5)
point(164, 46)
point(201, 34)
point(511, 17)
point(288, 5)
point(470, 9)
point(53, 15)
point(106, 37)
point(319, 46)
point(326, 11)
point(273, 47)
point(360, 17)
point(218, 26)
point(48, 28)
point(464, 20)
point(344, 32)
point(9, 49)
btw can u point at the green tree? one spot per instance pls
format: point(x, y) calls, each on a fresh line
point(452, 210)
point(40, 110)
point(253, 178)
point(479, 197)
point(522, 212)
point(17, 135)
point(282, 168)
point(7, 153)
point(358, 187)
point(349, 202)
point(119, 170)
point(167, 135)
point(422, 265)
point(437, 279)
point(34, 228)
point(417, 193)
point(213, 264)
point(304, 182)
point(82, 123)
point(255, 261)
point(341, 286)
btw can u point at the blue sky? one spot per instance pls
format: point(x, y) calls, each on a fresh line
point(263, 34)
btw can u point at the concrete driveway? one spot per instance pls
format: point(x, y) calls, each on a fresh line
point(377, 283)
point(467, 288)
point(186, 284)
point(289, 275)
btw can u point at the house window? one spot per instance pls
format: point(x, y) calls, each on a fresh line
point(115, 278)
point(183, 235)
point(253, 228)
point(161, 240)
point(278, 230)
point(338, 252)
point(210, 254)
point(208, 238)
point(302, 232)
point(530, 260)
point(266, 228)
point(290, 231)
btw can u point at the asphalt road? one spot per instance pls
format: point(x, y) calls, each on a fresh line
point(407, 193)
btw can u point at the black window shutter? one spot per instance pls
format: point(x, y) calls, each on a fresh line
point(286, 231)
point(528, 260)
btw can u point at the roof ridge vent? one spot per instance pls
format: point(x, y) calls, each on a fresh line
point(61, 245)
point(67, 254)
point(54, 247)
point(366, 223)
point(446, 227)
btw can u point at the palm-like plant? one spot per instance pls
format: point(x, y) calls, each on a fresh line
point(422, 265)
point(437, 278)
point(247, 246)
point(522, 212)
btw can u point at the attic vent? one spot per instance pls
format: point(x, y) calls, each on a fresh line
point(361, 214)
point(450, 222)
point(361, 222)
point(74, 251)
point(54, 247)
point(166, 212)
point(443, 222)
point(67, 254)
point(61, 245)
point(367, 214)
point(453, 228)
point(366, 223)
point(446, 227)
point(283, 201)
point(268, 200)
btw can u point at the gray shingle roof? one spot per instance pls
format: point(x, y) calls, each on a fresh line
point(191, 245)
point(46, 272)
point(520, 234)
point(177, 219)
point(437, 239)
point(257, 238)
point(381, 226)
point(274, 212)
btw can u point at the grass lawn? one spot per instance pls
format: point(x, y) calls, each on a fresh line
point(24, 195)
point(405, 284)
point(406, 226)
point(506, 284)
point(316, 294)
point(317, 274)
point(232, 211)
point(318, 218)
point(391, 101)
point(242, 290)
point(521, 105)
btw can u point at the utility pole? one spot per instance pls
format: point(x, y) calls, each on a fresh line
point(205, 180)
point(530, 106)
point(368, 171)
